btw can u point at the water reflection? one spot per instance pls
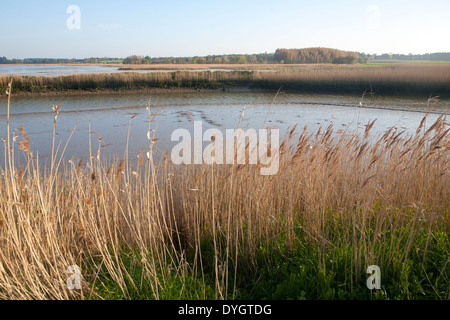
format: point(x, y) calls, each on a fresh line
point(53, 70)
point(113, 116)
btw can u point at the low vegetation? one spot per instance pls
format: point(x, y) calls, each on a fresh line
point(306, 55)
point(150, 230)
point(401, 79)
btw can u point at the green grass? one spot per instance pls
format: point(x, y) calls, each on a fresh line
point(185, 286)
point(298, 274)
point(303, 270)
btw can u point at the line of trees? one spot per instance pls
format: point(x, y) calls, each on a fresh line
point(134, 59)
point(316, 55)
point(437, 56)
point(219, 59)
point(308, 55)
point(4, 60)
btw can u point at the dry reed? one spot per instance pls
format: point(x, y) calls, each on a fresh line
point(398, 78)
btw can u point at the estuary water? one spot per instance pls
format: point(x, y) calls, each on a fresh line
point(63, 70)
point(53, 69)
point(121, 120)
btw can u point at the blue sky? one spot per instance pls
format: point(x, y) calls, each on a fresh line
point(189, 28)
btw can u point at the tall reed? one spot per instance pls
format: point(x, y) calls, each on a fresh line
point(391, 79)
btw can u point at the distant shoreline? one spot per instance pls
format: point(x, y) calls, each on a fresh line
point(392, 79)
point(114, 91)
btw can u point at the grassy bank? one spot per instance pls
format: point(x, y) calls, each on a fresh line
point(398, 79)
point(147, 230)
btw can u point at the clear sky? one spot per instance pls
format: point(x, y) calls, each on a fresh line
point(113, 28)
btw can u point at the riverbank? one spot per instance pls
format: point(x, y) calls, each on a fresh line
point(398, 79)
point(113, 91)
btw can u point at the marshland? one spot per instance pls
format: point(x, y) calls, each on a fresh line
point(87, 180)
point(384, 79)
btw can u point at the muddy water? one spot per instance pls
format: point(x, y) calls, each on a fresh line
point(118, 117)
point(60, 69)
point(52, 70)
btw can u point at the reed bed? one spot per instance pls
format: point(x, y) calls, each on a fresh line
point(388, 79)
point(126, 80)
point(147, 230)
point(384, 79)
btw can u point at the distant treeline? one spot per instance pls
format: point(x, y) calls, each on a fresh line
point(396, 79)
point(220, 59)
point(281, 56)
point(4, 60)
point(308, 55)
point(316, 55)
point(438, 56)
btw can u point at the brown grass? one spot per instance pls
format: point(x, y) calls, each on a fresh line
point(356, 73)
point(396, 78)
